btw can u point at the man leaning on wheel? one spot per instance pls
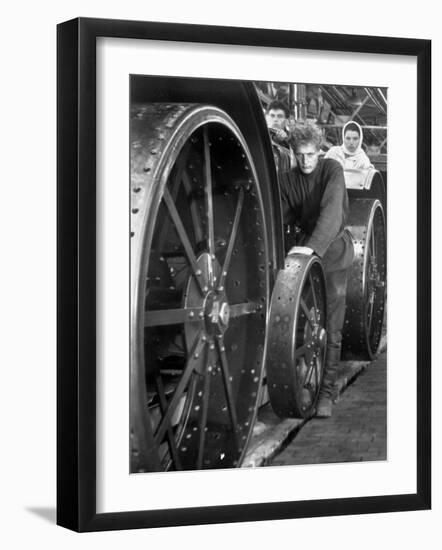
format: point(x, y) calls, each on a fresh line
point(314, 199)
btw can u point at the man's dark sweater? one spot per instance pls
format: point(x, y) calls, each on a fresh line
point(317, 203)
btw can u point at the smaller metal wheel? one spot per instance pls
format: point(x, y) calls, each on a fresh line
point(365, 184)
point(297, 338)
point(365, 305)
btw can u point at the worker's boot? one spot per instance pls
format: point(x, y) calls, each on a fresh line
point(324, 407)
point(325, 404)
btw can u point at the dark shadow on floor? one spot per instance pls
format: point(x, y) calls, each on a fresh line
point(49, 514)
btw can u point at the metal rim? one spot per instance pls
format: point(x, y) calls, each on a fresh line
point(200, 285)
point(374, 280)
point(367, 280)
point(297, 337)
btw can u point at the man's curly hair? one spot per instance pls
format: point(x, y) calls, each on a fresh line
point(305, 133)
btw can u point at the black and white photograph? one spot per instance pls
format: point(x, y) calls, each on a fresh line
point(243, 257)
point(258, 269)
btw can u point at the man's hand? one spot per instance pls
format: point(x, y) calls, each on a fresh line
point(301, 250)
point(280, 134)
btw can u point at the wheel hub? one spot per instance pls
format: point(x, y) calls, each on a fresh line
point(319, 337)
point(315, 335)
point(219, 314)
point(216, 312)
point(212, 301)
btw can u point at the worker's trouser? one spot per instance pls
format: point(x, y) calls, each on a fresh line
point(336, 282)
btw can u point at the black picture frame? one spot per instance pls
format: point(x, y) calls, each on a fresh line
point(76, 274)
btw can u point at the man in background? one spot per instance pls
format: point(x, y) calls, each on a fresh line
point(277, 116)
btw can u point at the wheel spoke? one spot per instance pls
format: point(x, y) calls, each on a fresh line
point(161, 317)
point(315, 302)
point(208, 194)
point(170, 436)
point(299, 352)
point(203, 420)
point(227, 385)
point(308, 376)
point(238, 310)
point(232, 237)
point(199, 234)
point(181, 387)
point(306, 312)
point(182, 235)
point(174, 194)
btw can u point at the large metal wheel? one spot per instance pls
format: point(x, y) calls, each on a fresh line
point(297, 337)
point(200, 288)
point(366, 184)
point(366, 280)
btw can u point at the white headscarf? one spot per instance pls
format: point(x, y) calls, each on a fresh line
point(361, 137)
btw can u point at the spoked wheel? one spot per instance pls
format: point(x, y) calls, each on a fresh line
point(200, 288)
point(297, 337)
point(366, 280)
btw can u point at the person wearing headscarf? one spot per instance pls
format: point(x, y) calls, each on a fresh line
point(350, 154)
